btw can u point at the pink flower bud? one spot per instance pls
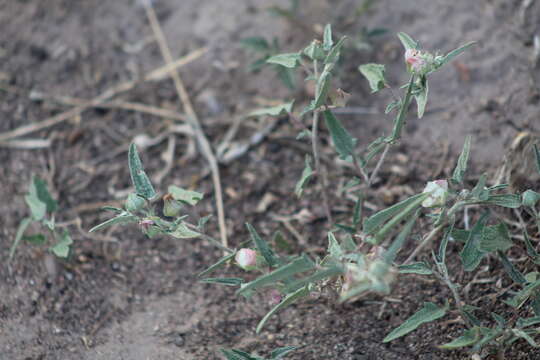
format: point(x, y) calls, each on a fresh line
point(146, 223)
point(438, 190)
point(274, 297)
point(246, 259)
point(414, 59)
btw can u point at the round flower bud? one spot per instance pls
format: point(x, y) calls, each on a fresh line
point(171, 207)
point(134, 202)
point(246, 259)
point(438, 190)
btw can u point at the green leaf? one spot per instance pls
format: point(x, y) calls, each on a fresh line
point(61, 248)
point(288, 300)
point(524, 335)
point(537, 157)
point(183, 232)
point(420, 268)
point(298, 265)
point(277, 110)
point(218, 264)
point(288, 60)
point(123, 218)
point(314, 51)
point(343, 141)
point(256, 43)
point(523, 323)
point(471, 255)
point(452, 54)
point(286, 76)
point(374, 73)
point(224, 281)
point(37, 207)
point(36, 239)
point(334, 249)
point(304, 179)
point(428, 313)
point(468, 338)
point(390, 254)
point(511, 201)
point(323, 87)
point(23, 225)
point(237, 355)
point(140, 180)
point(392, 106)
point(357, 211)
point(479, 191)
point(531, 250)
point(463, 159)
point(402, 114)
point(134, 202)
point(333, 55)
point(421, 98)
point(501, 322)
point(282, 351)
point(372, 223)
point(39, 187)
point(511, 270)
point(495, 237)
point(441, 254)
point(407, 41)
point(522, 296)
point(186, 196)
point(327, 38)
point(263, 247)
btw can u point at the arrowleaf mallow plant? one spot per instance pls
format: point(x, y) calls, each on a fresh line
point(42, 216)
point(361, 256)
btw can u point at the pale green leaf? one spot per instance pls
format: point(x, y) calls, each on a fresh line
point(186, 196)
point(463, 159)
point(277, 110)
point(407, 41)
point(183, 232)
point(304, 179)
point(374, 73)
point(495, 237)
point(428, 313)
point(23, 225)
point(122, 218)
point(420, 268)
point(143, 186)
point(262, 246)
point(61, 248)
point(468, 338)
point(223, 281)
point(343, 141)
point(288, 60)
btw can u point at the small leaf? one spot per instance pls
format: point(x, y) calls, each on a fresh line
point(282, 351)
point(461, 166)
point(140, 180)
point(323, 87)
point(390, 254)
point(123, 218)
point(256, 43)
point(314, 51)
point(40, 188)
point(511, 201)
point(468, 338)
point(452, 54)
point(376, 220)
point(218, 264)
point(495, 237)
point(374, 73)
point(288, 60)
point(327, 38)
point(420, 268)
point(530, 198)
point(298, 265)
point(304, 179)
point(407, 41)
point(186, 196)
point(224, 281)
point(471, 255)
point(277, 110)
point(334, 249)
point(262, 245)
point(523, 334)
point(523, 323)
point(37, 207)
point(289, 299)
point(511, 270)
point(18, 236)
point(333, 55)
point(392, 106)
point(183, 232)
point(36, 239)
point(428, 313)
point(61, 248)
point(237, 355)
point(421, 98)
point(343, 141)
point(537, 157)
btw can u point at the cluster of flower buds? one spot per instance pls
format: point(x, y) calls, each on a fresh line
point(420, 62)
point(438, 191)
point(373, 275)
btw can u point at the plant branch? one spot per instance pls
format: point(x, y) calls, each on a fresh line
point(193, 119)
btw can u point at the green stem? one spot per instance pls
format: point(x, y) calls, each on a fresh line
point(400, 119)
